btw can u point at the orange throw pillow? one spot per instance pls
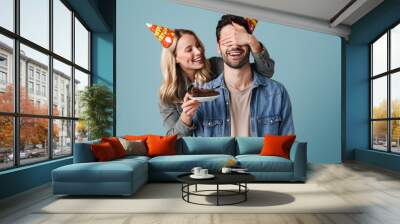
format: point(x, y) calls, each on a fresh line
point(103, 152)
point(161, 145)
point(116, 145)
point(275, 145)
point(136, 137)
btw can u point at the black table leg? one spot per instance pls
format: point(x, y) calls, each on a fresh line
point(182, 190)
point(243, 189)
point(217, 194)
point(245, 193)
point(188, 190)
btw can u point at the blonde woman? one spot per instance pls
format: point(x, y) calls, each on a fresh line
point(183, 62)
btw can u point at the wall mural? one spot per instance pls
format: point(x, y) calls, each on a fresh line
point(220, 96)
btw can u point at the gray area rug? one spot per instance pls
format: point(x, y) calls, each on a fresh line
point(166, 198)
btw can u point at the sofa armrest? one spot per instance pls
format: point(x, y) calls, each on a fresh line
point(83, 152)
point(300, 161)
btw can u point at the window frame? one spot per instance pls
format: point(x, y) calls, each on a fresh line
point(5, 59)
point(15, 72)
point(3, 70)
point(388, 74)
point(3, 74)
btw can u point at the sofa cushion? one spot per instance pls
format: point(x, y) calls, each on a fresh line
point(249, 145)
point(257, 163)
point(116, 145)
point(206, 145)
point(161, 145)
point(136, 137)
point(134, 147)
point(83, 152)
point(132, 159)
point(103, 152)
point(277, 145)
point(185, 163)
point(111, 171)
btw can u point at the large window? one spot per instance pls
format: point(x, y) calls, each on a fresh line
point(44, 64)
point(385, 91)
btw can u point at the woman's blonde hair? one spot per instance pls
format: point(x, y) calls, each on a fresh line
point(173, 87)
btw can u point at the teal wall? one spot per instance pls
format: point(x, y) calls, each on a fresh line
point(381, 159)
point(357, 84)
point(102, 58)
point(24, 178)
point(307, 63)
point(102, 61)
point(357, 103)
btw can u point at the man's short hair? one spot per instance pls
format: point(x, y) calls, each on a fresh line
point(227, 20)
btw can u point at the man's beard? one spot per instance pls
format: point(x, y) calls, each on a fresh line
point(236, 65)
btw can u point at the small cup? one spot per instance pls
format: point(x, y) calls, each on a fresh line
point(196, 170)
point(226, 170)
point(203, 172)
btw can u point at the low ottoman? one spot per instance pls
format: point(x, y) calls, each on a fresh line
point(119, 177)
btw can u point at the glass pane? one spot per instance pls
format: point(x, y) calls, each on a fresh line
point(379, 135)
point(379, 55)
point(81, 45)
point(81, 131)
point(6, 142)
point(7, 14)
point(34, 82)
point(33, 139)
point(81, 81)
point(395, 94)
point(35, 21)
point(395, 47)
point(395, 136)
point(62, 89)
point(62, 138)
point(379, 100)
point(6, 74)
point(62, 29)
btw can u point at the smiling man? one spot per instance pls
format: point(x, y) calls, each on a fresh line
point(249, 103)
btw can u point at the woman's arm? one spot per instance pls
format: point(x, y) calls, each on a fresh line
point(172, 122)
point(179, 122)
point(263, 64)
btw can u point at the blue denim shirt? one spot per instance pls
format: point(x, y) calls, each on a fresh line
point(270, 109)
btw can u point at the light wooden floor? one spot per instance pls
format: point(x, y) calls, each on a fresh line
point(378, 188)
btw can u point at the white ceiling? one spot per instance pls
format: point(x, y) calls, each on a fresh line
point(324, 16)
point(320, 9)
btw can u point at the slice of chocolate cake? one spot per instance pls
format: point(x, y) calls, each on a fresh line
point(199, 92)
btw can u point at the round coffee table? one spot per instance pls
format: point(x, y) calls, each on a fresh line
point(238, 179)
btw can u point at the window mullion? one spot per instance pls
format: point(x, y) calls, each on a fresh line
point(50, 81)
point(389, 106)
point(371, 139)
point(89, 62)
point(16, 83)
point(73, 82)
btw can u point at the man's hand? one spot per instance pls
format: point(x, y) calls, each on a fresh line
point(239, 36)
point(189, 107)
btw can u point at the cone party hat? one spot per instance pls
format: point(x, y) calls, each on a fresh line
point(163, 34)
point(251, 23)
